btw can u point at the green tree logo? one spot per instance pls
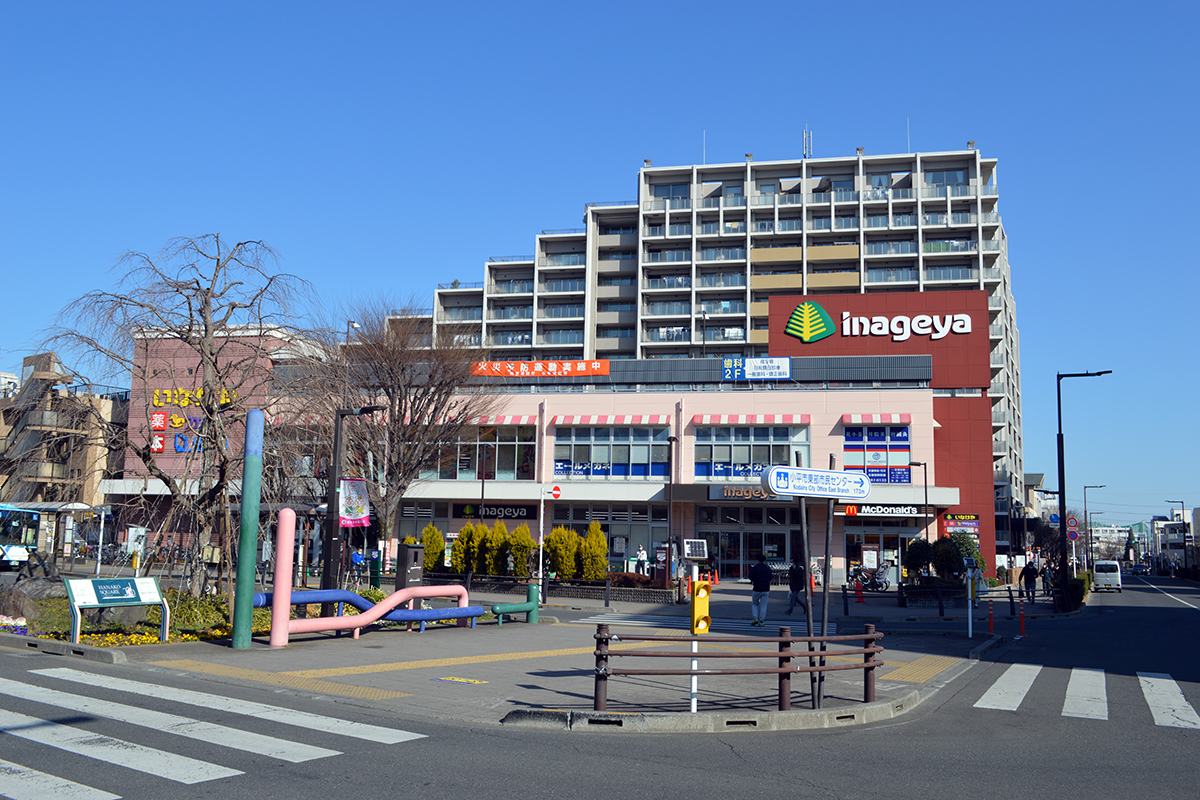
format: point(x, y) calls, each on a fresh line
point(810, 323)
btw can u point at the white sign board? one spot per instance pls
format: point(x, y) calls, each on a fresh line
point(817, 483)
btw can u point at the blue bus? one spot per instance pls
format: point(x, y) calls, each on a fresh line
point(18, 535)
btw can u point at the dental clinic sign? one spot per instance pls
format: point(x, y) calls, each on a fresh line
point(950, 328)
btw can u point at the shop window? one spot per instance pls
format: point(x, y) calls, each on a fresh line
point(731, 456)
point(612, 453)
point(706, 515)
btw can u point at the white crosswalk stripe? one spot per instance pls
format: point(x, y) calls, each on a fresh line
point(1010, 688)
point(21, 782)
point(1087, 695)
point(1166, 701)
point(286, 716)
point(799, 626)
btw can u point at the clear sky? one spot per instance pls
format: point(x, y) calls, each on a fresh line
point(384, 147)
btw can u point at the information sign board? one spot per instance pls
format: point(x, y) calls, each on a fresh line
point(797, 481)
point(108, 592)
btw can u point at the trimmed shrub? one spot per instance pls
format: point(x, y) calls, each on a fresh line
point(462, 552)
point(435, 548)
point(521, 544)
point(562, 546)
point(493, 550)
point(947, 559)
point(594, 554)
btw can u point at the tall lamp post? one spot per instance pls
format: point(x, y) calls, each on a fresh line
point(924, 465)
point(1064, 573)
point(1088, 519)
point(1183, 522)
point(331, 544)
point(671, 441)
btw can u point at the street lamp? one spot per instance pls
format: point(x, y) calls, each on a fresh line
point(1091, 555)
point(1063, 572)
point(1086, 517)
point(924, 465)
point(1182, 521)
point(332, 539)
point(672, 440)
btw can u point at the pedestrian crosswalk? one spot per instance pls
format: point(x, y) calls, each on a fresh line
point(799, 626)
point(74, 732)
point(1087, 695)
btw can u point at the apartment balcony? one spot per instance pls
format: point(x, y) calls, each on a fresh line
point(462, 340)
point(833, 280)
point(563, 260)
point(873, 194)
point(784, 225)
point(833, 252)
point(733, 201)
point(818, 197)
point(461, 314)
point(777, 281)
point(564, 285)
point(654, 231)
point(554, 338)
point(734, 229)
point(760, 308)
point(995, 303)
point(668, 282)
point(991, 190)
point(561, 312)
point(996, 331)
point(762, 226)
point(845, 224)
point(41, 472)
point(713, 333)
point(674, 335)
point(948, 274)
point(720, 281)
point(776, 255)
point(455, 285)
point(680, 230)
point(904, 220)
point(820, 224)
point(511, 287)
point(951, 246)
point(845, 196)
point(760, 336)
point(718, 307)
point(760, 200)
point(791, 199)
point(665, 203)
point(667, 257)
point(877, 221)
point(667, 310)
point(893, 275)
point(1000, 418)
point(906, 247)
point(510, 340)
point(933, 220)
point(723, 254)
point(992, 274)
point(998, 389)
point(997, 359)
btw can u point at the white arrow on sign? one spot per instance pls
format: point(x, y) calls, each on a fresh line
point(817, 483)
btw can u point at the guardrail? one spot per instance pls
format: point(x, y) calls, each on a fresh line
point(784, 670)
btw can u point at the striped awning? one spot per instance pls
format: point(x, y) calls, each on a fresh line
point(651, 419)
point(512, 420)
point(751, 419)
point(876, 419)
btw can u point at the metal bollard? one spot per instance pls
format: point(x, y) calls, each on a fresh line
point(868, 672)
point(991, 616)
point(1012, 604)
point(845, 601)
point(1022, 606)
point(785, 663)
point(600, 692)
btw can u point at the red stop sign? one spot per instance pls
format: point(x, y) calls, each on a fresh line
point(555, 492)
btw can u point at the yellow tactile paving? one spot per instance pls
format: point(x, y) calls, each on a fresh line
point(922, 669)
point(288, 680)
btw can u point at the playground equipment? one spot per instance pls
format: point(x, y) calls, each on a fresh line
point(282, 599)
point(529, 607)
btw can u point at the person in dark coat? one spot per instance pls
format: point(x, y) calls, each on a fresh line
point(760, 586)
point(795, 585)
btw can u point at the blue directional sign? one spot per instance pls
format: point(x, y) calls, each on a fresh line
point(817, 483)
point(1054, 518)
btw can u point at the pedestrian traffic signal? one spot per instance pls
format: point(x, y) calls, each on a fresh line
point(701, 621)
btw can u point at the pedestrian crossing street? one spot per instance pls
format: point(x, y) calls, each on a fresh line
point(20, 782)
point(1087, 695)
point(739, 626)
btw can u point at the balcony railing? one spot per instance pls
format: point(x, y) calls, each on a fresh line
point(988, 191)
point(845, 196)
point(880, 221)
point(962, 191)
point(668, 256)
point(723, 334)
point(655, 230)
point(763, 226)
point(723, 307)
point(510, 339)
point(561, 312)
point(723, 254)
point(890, 248)
point(903, 220)
point(734, 201)
point(563, 260)
point(933, 191)
point(791, 199)
point(512, 312)
point(790, 225)
point(903, 194)
point(819, 197)
point(951, 274)
point(892, 275)
point(678, 334)
point(846, 223)
point(875, 193)
point(991, 274)
point(963, 218)
point(461, 314)
point(679, 203)
point(933, 219)
point(710, 228)
point(995, 303)
point(734, 227)
point(561, 337)
point(461, 285)
point(565, 285)
point(952, 246)
point(668, 282)
point(990, 245)
point(763, 199)
point(718, 281)
point(511, 287)
point(681, 230)
point(666, 309)
point(820, 224)
point(996, 331)
point(990, 218)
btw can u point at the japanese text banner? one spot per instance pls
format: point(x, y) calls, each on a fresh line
point(539, 369)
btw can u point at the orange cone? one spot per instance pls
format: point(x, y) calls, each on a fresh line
point(716, 581)
point(812, 580)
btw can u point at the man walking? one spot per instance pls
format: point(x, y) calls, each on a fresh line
point(1029, 576)
point(795, 586)
point(760, 591)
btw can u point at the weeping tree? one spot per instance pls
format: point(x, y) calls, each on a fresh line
point(192, 330)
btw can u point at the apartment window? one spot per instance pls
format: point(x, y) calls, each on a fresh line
point(746, 452)
point(614, 333)
point(622, 305)
point(617, 280)
point(617, 230)
point(673, 190)
point(618, 255)
point(881, 451)
point(621, 453)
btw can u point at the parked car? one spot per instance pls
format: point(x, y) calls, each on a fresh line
point(1141, 569)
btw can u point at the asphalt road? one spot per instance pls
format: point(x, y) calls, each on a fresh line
point(953, 745)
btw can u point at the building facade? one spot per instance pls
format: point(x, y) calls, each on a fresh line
point(814, 262)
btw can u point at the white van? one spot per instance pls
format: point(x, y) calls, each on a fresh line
point(1107, 575)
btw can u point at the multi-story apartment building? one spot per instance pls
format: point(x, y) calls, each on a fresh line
point(712, 261)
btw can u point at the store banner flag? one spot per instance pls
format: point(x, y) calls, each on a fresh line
point(355, 510)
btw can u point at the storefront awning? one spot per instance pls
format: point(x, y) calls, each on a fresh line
point(518, 420)
point(661, 419)
point(876, 419)
point(751, 419)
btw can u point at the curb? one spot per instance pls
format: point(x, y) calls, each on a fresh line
point(985, 648)
point(104, 655)
point(715, 722)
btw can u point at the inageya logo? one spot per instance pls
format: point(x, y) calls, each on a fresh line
point(810, 323)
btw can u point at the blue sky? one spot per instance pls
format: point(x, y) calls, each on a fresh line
point(383, 147)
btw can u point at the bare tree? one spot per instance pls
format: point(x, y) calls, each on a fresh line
point(389, 357)
point(193, 330)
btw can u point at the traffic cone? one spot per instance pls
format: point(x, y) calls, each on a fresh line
point(858, 594)
point(716, 577)
point(812, 581)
